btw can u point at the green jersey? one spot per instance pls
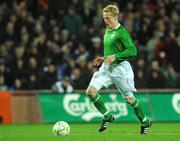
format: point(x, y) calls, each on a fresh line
point(118, 42)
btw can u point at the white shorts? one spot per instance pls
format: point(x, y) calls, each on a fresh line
point(119, 74)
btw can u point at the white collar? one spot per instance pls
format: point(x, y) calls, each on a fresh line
point(117, 26)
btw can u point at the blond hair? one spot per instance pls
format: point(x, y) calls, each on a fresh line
point(113, 9)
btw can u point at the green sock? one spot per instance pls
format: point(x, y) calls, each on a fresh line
point(99, 104)
point(139, 111)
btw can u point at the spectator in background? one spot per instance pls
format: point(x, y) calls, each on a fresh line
point(18, 84)
point(155, 77)
point(81, 53)
point(62, 86)
point(19, 70)
point(140, 65)
point(32, 66)
point(19, 54)
point(49, 76)
point(57, 8)
point(85, 73)
point(3, 85)
point(4, 52)
point(76, 78)
point(5, 74)
point(11, 28)
point(87, 12)
point(96, 45)
point(34, 7)
point(32, 82)
point(174, 43)
point(140, 79)
point(73, 22)
point(97, 19)
point(151, 45)
point(140, 73)
point(170, 76)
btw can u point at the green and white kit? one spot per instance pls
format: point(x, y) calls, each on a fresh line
point(117, 42)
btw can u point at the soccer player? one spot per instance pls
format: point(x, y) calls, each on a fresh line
point(115, 69)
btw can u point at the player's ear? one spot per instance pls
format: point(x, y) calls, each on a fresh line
point(115, 17)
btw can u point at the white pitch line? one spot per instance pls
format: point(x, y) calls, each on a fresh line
point(130, 134)
point(102, 134)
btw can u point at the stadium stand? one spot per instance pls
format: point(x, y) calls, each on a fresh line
point(42, 41)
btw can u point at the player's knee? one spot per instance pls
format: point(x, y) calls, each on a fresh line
point(130, 100)
point(91, 91)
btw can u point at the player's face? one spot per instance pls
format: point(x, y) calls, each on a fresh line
point(109, 19)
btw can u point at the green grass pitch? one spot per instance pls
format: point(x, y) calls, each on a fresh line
point(88, 132)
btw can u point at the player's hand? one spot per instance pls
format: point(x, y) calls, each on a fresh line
point(109, 59)
point(98, 61)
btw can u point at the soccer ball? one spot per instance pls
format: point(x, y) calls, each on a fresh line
point(61, 128)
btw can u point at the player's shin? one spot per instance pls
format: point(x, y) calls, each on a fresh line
point(139, 111)
point(99, 104)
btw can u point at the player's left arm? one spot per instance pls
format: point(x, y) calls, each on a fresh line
point(130, 48)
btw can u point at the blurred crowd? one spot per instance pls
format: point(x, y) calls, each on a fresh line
point(49, 44)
